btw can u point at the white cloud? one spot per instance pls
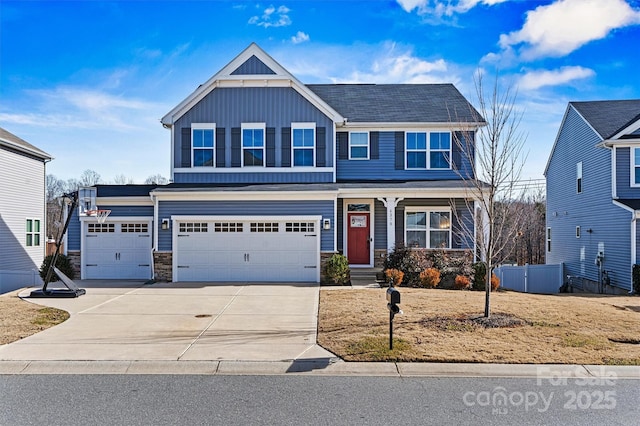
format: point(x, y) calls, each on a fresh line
point(272, 17)
point(443, 8)
point(565, 25)
point(541, 78)
point(300, 37)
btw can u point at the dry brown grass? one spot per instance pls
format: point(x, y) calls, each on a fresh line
point(438, 326)
point(20, 319)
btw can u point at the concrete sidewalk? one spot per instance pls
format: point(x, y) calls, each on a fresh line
point(128, 321)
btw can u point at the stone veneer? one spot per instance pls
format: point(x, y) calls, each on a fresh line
point(163, 266)
point(76, 261)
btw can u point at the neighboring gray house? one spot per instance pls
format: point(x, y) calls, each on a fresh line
point(22, 212)
point(593, 193)
point(270, 177)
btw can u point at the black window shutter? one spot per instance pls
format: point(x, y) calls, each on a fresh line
point(286, 147)
point(321, 147)
point(185, 147)
point(399, 150)
point(220, 147)
point(271, 147)
point(236, 148)
point(374, 141)
point(343, 145)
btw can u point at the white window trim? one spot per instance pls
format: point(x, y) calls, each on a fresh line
point(632, 160)
point(428, 210)
point(428, 150)
point(302, 126)
point(203, 126)
point(253, 126)
point(368, 147)
point(579, 180)
point(33, 233)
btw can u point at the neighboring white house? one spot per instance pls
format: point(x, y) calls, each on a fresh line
point(22, 212)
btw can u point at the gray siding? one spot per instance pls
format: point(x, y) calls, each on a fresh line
point(384, 168)
point(253, 66)
point(323, 208)
point(380, 226)
point(460, 213)
point(591, 210)
point(272, 177)
point(22, 197)
point(277, 107)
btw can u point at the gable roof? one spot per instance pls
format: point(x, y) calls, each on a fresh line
point(398, 103)
point(608, 118)
point(12, 141)
point(253, 67)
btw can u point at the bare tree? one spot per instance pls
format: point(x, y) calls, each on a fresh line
point(55, 188)
point(495, 164)
point(157, 180)
point(90, 178)
point(122, 180)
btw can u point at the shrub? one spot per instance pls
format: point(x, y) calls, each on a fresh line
point(461, 282)
point(402, 259)
point(636, 279)
point(62, 263)
point(430, 278)
point(394, 277)
point(336, 270)
point(495, 282)
point(479, 275)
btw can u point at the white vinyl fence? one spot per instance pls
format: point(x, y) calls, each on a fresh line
point(13, 280)
point(545, 279)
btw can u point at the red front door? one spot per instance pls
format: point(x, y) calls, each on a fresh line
point(358, 245)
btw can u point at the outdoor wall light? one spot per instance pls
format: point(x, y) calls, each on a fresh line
point(165, 224)
point(326, 224)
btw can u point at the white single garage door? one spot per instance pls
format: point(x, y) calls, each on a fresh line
point(247, 250)
point(117, 250)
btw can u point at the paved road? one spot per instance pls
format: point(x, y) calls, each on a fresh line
point(308, 400)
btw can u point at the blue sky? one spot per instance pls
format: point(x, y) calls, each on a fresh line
point(88, 81)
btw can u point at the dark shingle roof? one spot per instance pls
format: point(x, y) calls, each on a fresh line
point(124, 190)
point(15, 142)
point(400, 103)
point(609, 117)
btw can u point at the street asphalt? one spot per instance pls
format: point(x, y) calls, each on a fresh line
point(217, 329)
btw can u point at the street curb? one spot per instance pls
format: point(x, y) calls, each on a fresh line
point(320, 367)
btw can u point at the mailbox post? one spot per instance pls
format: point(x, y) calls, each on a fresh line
point(393, 300)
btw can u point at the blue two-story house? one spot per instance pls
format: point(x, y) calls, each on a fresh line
point(593, 194)
point(270, 177)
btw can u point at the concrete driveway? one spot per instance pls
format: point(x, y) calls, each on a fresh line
point(179, 321)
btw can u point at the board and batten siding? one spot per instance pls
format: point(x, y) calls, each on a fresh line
point(257, 177)
point(228, 108)
point(383, 165)
point(600, 221)
point(241, 209)
point(22, 197)
point(623, 174)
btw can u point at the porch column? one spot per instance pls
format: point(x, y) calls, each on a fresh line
point(391, 203)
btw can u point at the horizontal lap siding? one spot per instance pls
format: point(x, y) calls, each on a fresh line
point(271, 177)
point(592, 209)
point(459, 240)
point(384, 167)
point(21, 197)
point(228, 108)
point(166, 209)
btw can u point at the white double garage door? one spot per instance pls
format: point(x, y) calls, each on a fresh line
point(264, 249)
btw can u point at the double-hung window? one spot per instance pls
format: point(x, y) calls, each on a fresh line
point(304, 142)
point(253, 144)
point(33, 232)
point(428, 228)
point(635, 166)
point(202, 143)
point(439, 150)
point(579, 177)
point(358, 146)
point(428, 150)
